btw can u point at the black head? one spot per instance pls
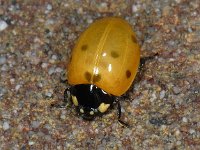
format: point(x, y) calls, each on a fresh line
point(90, 100)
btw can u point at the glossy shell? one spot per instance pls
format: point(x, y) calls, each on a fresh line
point(107, 55)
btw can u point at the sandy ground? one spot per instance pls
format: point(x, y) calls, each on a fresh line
point(163, 108)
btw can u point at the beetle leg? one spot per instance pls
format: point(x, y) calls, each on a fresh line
point(119, 115)
point(144, 59)
point(142, 68)
point(67, 95)
point(65, 101)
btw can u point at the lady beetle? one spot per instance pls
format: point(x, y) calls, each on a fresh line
point(104, 64)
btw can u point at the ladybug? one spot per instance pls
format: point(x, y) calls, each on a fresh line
point(103, 66)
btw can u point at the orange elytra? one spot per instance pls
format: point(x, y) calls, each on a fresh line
point(106, 57)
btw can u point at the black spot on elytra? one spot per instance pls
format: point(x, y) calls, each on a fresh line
point(133, 38)
point(84, 47)
point(96, 78)
point(114, 54)
point(88, 76)
point(128, 74)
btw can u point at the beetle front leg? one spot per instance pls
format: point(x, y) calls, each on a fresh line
point(144, 59)
point(119, 115)
point(142, 68)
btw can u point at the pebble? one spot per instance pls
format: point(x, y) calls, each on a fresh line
point(54, 57)
point(80, 11)
point(71, 37)
point(48, 94)
point(3, 25)
point(6, 126)
point(49, 7)
point(153, 98)
point(12, 80)
point(191, 131)
point(35, 60)
point(35, 124)
point(177, 133)
point(49, 22)
point(135, 8)
point(47, 126)
point(178, 1)
point(176, 90)
point(103, 7)
point(4, 67)
point(2, 60)
point(63, 117)
point(178, 143)
point(2, 91)
point(51, 70)
point(39, 84)
point(162, 94)
point(44, 65)
point(184, 119)
point(47, 137)
point(58, 69)
point(89, 20)
point(31, 143)
point(17, 87)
